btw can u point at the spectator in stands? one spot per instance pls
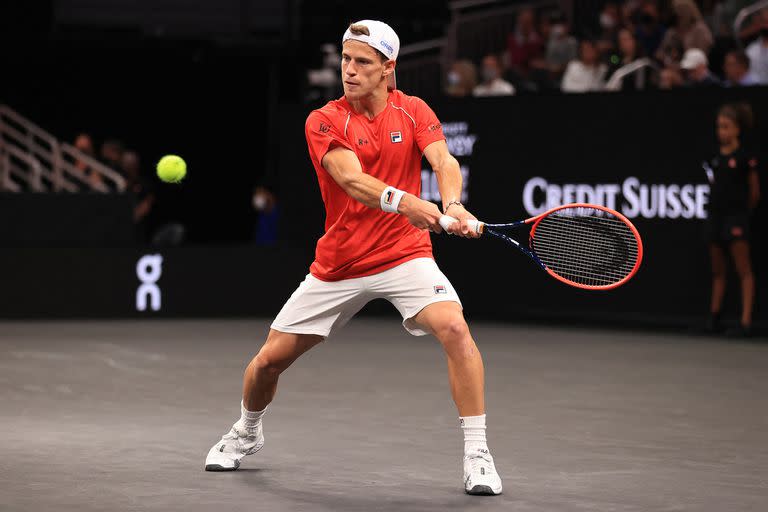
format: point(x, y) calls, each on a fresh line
point(757, 52)
point(629, 15)
point(610, 22)
point(562, 48)
point(670, 78)
point(649, 31)
point(689, 31)
point(736, 70)
point(492, 84)
point(461, 79)
point(265, 204)
point(84, 143)
point(111, 153)
point(544, 26)
point(586, 73)
point(695, 65)
point(629, 52)
point(138, 185)
point(524, 44)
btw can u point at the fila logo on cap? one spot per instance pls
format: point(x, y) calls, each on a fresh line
point(396, 136)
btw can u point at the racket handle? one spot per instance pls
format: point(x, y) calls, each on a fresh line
point(475, 225)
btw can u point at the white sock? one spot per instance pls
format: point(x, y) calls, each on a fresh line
point(250, 418)
point(474, 433)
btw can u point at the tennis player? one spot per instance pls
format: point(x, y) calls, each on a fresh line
point(366, 148)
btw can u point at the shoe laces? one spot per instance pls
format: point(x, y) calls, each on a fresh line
point(240, 431)
point(481, 460)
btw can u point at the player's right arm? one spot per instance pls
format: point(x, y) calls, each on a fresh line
point(345, 169)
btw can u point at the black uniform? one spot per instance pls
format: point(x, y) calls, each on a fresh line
point(728, 210)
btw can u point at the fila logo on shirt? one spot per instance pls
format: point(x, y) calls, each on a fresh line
point(396, 137)
point(148, 270)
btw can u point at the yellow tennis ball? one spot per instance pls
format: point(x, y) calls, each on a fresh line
point(171, 169)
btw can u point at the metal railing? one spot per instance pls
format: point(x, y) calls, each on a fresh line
point(60, 167)
point(480, 27)
point(617, 78)
point(19, 170)
point(744, 15)
point(477, 27)
point(419, 68)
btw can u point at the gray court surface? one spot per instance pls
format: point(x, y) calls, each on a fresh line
point(119, 416)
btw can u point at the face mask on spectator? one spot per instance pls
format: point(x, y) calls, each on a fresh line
point(259, 202)
point(453, 78)
point(489, 74)
point(607, 21)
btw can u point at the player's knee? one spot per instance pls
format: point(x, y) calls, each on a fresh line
point(455, 327)
point(454, 335)
point(265, 365)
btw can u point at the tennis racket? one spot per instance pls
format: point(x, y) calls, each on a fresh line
point(583, 245)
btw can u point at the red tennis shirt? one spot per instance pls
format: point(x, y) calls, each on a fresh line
point(360, 241)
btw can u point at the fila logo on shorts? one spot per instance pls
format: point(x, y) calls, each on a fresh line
point(440, 289)
point(396, 136)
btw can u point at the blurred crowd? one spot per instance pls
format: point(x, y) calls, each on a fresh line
point(114, 154)
point(162, 227)
point(627, 45)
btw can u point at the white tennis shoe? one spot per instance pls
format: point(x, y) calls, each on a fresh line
point(234, 445)
point(480, 476)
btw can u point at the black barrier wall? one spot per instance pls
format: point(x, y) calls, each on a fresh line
point(639, 153)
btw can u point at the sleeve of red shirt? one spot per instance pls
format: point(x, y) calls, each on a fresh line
point(322, 136)
point(428, 128)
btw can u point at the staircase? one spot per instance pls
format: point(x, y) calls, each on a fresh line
point(33, 160)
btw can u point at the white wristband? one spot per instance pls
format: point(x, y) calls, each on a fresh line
point(390, 199)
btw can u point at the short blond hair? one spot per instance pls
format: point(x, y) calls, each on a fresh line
point(359, 29)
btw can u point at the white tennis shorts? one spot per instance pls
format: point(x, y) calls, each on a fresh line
point(320, 307)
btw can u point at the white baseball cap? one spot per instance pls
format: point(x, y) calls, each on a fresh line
point(381, 38)
point(693, 58)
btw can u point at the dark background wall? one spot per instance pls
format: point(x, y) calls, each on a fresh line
point(659, 138)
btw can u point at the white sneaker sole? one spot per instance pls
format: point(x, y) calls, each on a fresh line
point(236, 462)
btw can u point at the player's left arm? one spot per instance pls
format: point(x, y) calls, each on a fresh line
point(449, 181)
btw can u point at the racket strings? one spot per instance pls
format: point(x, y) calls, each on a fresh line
point(586, 246)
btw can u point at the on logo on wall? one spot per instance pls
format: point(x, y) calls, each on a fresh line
point(148, 270)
